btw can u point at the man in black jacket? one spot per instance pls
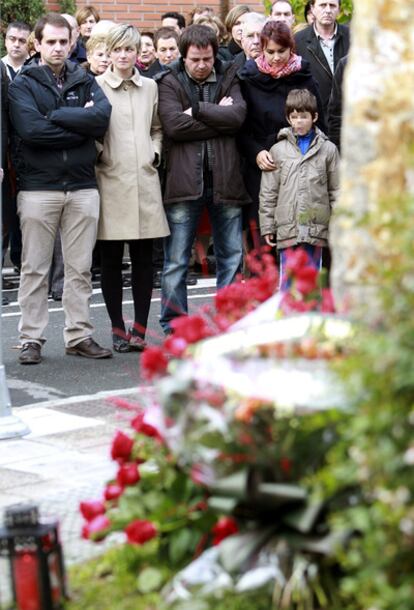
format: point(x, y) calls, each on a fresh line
point(57, 110)
point(323, 44)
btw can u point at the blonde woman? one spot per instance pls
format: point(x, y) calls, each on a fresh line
point(97, 55)
point(131, 203)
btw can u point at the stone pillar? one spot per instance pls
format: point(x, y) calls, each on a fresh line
point(377, 173)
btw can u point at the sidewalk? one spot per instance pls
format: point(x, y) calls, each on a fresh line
point(65, 459)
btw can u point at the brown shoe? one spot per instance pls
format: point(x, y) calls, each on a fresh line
point(30, 353)
point(88, 348)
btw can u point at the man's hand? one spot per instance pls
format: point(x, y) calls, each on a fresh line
point(89, 104)
point(270, 240)
point(265, 161)
point(226, 101)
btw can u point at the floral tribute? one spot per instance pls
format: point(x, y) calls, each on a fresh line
point(212, 459)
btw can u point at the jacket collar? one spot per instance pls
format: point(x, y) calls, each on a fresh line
point(116, 81)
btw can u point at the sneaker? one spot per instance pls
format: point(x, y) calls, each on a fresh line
point(30, 353)
point(88, 348)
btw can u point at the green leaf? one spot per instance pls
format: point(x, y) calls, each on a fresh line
point(149, 579)
point(181, 542)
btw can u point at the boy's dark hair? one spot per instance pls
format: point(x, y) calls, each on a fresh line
point(200, 36)
point(301, 100)
point(54, 19)
point(164, 33)
point(173, 15)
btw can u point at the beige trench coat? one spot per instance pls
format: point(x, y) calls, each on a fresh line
point(131, 202)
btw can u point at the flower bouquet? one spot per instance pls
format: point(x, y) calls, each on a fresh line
point(247, 407)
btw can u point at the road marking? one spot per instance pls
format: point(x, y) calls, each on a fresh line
point(35, 390)
point(14, 314)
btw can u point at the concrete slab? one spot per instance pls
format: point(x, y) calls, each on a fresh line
point(43, 422)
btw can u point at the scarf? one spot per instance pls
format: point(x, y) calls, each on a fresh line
point(293, 65)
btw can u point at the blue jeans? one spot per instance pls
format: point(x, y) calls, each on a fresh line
point(183, 219)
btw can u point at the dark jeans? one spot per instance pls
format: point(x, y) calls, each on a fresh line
point(183, 219)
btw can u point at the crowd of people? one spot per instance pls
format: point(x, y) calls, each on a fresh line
point(113, 137)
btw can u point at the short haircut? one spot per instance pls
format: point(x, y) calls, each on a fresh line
point(301, 100)
point(278, 32)
point(54, 19)
point(207, 10)
point(86, 11)
point(286, 2)
point(201, 36)
point(253, 18)
point(123, 35)
point(234, 14)
point(19, 25)
point(94, 41)
point(173, 15)
point(148, 34)
point(313, 2)
point(164, 33)
point(216, 24)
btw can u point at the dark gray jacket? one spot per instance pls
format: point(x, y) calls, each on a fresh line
point(308, 46)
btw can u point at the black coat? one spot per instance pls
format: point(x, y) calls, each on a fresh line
point(54, 139)
point(335, 104)
point(4, 116)
point(308, 46)
point(266, 98)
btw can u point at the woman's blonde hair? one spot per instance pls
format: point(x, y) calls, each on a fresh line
point(123, 35)
point(95, 41)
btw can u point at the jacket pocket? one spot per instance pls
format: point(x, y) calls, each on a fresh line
point(284, 215)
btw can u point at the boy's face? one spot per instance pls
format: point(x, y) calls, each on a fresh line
point(302, 122)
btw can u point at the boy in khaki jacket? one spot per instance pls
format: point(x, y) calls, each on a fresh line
point(296, 199)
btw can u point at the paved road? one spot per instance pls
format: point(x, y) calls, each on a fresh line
point(60, 376)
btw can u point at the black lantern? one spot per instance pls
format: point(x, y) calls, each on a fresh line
point(36, 560)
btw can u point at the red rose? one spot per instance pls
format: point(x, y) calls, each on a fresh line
point(139, 425)
point(128, 474)
point(154, 362)
point(225, 526)
point(121, 447)
point(139, 532)
point(96, 529)
point(191, 328)
point(296, 260)
point(175, 346)
point(91, 509)
point(112, 492)
point(307, 279)
point(328, 304)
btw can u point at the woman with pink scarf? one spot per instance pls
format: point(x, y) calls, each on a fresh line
point(266, 82)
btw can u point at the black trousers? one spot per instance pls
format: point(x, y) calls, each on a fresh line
point(140, 252)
